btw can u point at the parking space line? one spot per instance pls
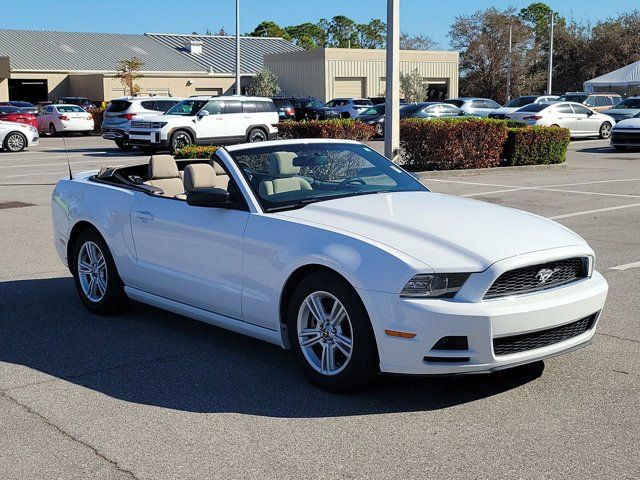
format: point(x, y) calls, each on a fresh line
point(597, 210)
point(626, 266)
point(593, 183)
point(627, 195)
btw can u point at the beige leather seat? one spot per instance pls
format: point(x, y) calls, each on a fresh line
point(222, 179)
point(284, 175)
point(199, 175)
point(163, 174)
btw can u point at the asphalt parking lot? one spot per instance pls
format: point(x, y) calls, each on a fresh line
point(151, 395)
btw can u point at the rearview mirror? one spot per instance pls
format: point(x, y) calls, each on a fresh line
point(208, 197)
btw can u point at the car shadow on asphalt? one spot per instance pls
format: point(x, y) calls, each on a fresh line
point(152, 357)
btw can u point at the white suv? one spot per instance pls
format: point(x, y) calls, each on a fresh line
point(208, 121)
point(350, 107)
point(121, 111)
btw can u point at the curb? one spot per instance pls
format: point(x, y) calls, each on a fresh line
point(487, 171)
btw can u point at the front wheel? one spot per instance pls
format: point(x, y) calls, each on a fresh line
point(605, 130)
point(15, 142)
point(94, 271)
point(179, 139)
point(124, 146)
point(331, 335)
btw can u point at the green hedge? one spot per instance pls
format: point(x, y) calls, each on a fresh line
point(535, 146)
point(195, 151)
point(347, 129)
point(448, 144)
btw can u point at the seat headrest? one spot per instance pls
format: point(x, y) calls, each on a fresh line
point(218, 168)
point(162, 166)
point(281, 165)
point(199, 175)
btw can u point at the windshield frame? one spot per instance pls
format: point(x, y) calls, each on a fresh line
point(188, 100)
point(269, 207)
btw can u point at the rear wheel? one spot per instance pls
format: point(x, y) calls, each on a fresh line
point(52, 130)
point(97, 281)
point(179, 139)
point(15, 142)
point(331, 335)
point(379, 130)
point(256, 135)
point(605, 130)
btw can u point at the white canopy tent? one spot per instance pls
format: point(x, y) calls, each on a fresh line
point(625, 78)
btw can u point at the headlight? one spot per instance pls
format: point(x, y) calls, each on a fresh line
point(435, 285)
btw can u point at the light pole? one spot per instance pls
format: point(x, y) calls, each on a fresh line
point(392, 102)
point(509, 64)
point(238, 86)
point(550, 71)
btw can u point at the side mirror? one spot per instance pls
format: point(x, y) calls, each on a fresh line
point(203, 113)
point(208, 197)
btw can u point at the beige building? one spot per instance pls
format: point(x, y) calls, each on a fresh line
point(39, 66)
point(337, 72)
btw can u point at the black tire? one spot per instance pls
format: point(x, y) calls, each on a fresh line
point(346, 115)
point(113, 299)
point(179, 139)
point(124, 146)
point(362, 368)
point(257, 135)
point(605, 130)
point(15, 142)
point(87, 133)
point(52, 130)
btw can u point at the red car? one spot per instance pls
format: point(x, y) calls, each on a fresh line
point(14, 114)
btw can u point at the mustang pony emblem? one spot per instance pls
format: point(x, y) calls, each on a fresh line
point(545, 274)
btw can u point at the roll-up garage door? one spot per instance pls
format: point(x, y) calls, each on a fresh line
point(348, 87)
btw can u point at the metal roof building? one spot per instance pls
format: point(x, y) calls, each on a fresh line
point(45, 65)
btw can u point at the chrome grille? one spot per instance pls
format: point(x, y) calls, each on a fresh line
point(543, 338)
point(538, 277)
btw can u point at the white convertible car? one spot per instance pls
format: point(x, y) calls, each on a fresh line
point(329, 249)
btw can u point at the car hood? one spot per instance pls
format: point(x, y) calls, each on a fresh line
point(628, 123)
point(449, 234)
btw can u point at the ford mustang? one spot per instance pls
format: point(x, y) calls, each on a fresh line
point(329, 249)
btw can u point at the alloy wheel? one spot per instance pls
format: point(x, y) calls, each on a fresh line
point(181, 140)
point(257, 136)
point(92, 271)
point(325, 333)
point(605, 130)
point(16, 142)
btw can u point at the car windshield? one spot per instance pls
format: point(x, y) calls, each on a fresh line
point(5, 110)
point(409, 109)
point(377, 110)
point(69, 109)
point(534, 107)
point(628, 103)
point(186, 107)
point(520, 102)
point(578, 98)
point(291, 176)
point(362, 103)
point(311, 103)
point(457, 103)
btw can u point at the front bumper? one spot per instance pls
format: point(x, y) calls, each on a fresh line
point(114, 134)
point(625, 138)
point(151, 138)
point(481, 322)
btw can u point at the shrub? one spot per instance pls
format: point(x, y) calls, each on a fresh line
point(195, 151)
point(347, 129)
point(535, 146)
point(447, 144)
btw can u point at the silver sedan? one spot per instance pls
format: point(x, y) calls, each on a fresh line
point(580, 120)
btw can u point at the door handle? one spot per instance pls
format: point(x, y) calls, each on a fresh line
point(219, 118)
point(145, 215)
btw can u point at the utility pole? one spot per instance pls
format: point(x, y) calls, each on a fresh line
point(392, 102)
point(238, 86)
point(509, 64)
point(550, 72)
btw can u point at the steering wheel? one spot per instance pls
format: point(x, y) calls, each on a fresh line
point(348, 181)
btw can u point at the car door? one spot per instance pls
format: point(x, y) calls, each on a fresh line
point(565, 117)
point(192, 255)
point(587, 121)
point(211, 127)
point(46, 118)
point(236, 121)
